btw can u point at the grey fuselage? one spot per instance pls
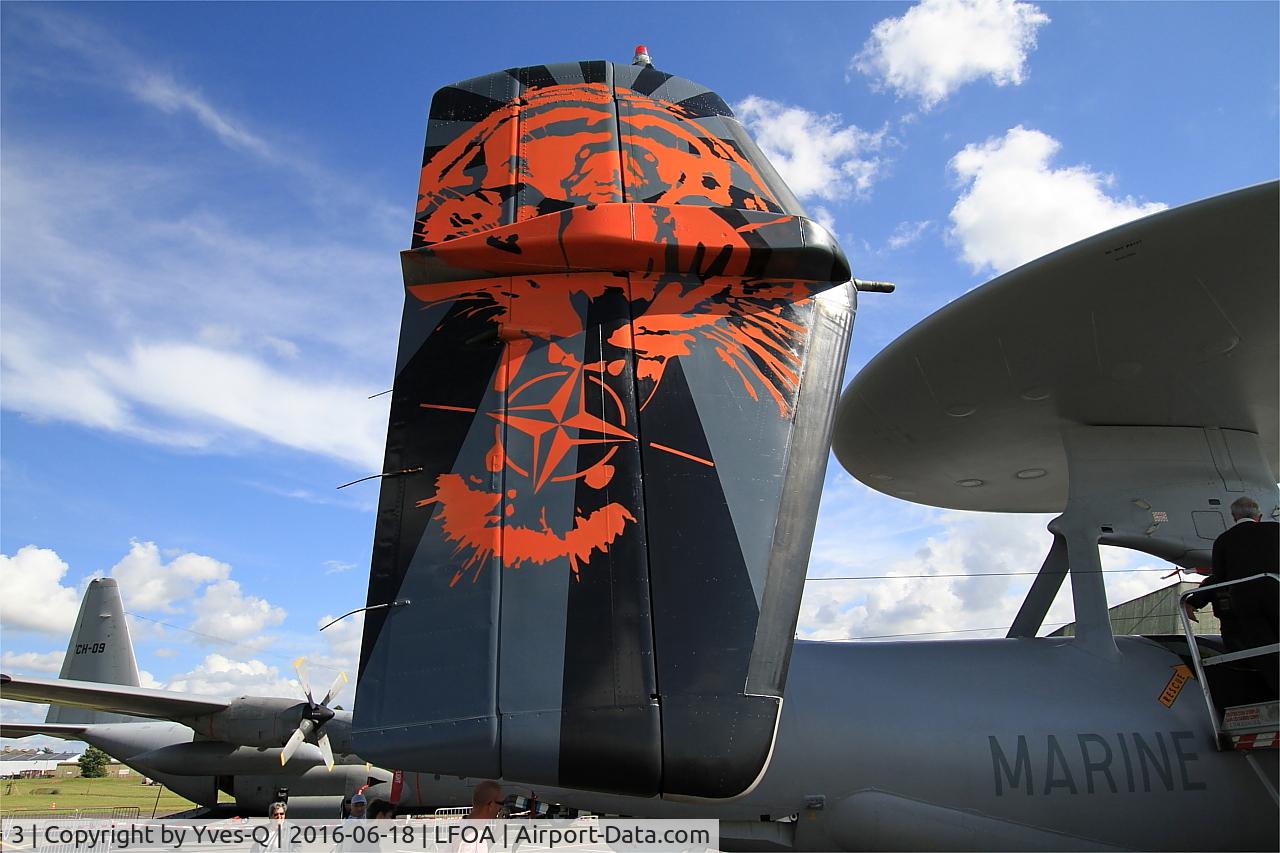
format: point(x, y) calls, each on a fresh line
point(987, 744)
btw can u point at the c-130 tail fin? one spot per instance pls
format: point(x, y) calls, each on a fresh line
point(621, 349)
point(100, 650)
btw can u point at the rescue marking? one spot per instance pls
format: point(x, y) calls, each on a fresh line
point(1181, 674)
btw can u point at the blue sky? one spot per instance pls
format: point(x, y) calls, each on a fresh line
point(203, 204)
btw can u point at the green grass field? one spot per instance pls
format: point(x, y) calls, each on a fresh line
point(23, 794)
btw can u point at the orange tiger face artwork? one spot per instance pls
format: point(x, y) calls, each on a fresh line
point(563, 146)
point(545, 433)
point(562, 420)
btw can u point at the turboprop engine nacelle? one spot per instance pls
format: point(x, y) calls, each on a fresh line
point(251, 721)
point(217, 758)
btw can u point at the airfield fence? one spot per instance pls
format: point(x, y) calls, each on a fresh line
point(106, 813)
point(104, 818)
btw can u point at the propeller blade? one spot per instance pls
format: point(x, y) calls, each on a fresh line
point(299, 666)
point(335, 688)
point(326, 750)
point(291, 746)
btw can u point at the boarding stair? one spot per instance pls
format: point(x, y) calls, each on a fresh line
point(1242, 706)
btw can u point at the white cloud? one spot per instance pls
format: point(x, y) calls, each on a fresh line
point(361, 501)
point(145, 630)
point(13, 711)
point(224, 677)
point(1128, 575)
point(824, 217)
point(281, 347)
point(342, 645)
point(64, 391)
point(817, 155)
point(907, 233)
point(1015, 206)
point(337, 567)
point(245, 395)
point(170, 581)
point(222, 610)
point(996, 554)
point(98, 56)
point(117, 357)
point(32, 661)
point(92, 56)
point(940, 45)
point(964, 543)
point(148, 392)
point(146, 264)
point(147, 582)
point(168, 95)
point(35, 575)
point(199, 584)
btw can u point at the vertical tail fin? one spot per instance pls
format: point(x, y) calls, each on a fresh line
point(100, 650)
point(620, 354)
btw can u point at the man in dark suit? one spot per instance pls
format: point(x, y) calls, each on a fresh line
point(1248, 612)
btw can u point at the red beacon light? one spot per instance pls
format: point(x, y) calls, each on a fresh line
point(642, 56)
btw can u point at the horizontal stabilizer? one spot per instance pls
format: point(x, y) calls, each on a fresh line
point(134, 701)
point(66, 731)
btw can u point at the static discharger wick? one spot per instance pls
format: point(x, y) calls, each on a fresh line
point(399, 602)
point(380, 476)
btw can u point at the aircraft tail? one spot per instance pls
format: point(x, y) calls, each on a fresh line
point(100, 650)
point(620, 353)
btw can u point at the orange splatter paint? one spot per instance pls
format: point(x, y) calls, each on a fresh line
point(672, 450)
point(470, 519)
